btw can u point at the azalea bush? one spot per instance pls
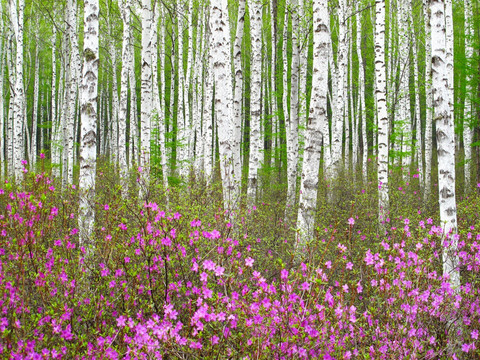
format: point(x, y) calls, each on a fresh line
point(185, 280)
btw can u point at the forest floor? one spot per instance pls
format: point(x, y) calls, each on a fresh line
point(183, 280)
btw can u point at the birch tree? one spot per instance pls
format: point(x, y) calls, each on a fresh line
point(293, 118)
point(404, 118)
point(221, 62)
point(122, 117)
point(88, 109)
point(418, 119)
point(362, 108)
point(238, 90)
point(146, 92)
point(33, 143)
point(428, 101)
point(317, 118)
point(16, 18)
point(207, 123)
point(445, 139)
point(255, 104)
point(381, 109)
point(467, 114)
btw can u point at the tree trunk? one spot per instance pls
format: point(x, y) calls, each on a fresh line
point(315, 125)
point(381, 109)
point(445, 138)
point(19, 97)
point(88, 108)
point(467, 114)
point(256, 101)
point(146, 95)
point(293, 119)
point(428, 102)
point(238, 90)
point(221, 62)
point(122, 116)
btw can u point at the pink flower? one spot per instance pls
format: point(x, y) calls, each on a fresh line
point(305, 286)
point(249, 262)
point(106, 207)
point(351, 221)
point(42, 156)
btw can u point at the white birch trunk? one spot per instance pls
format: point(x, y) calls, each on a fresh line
point(182, 112)
point(2, 109)
point(238, 90)
point(33, 143)
point(255, 104)
point(361, 85)
point(221, 61)
point(418, 119)
point(146, 93)
point(88, 108)
point(404, 118)
point(113, 128)
point(188, 90)
point(315, 124)
point(10, 118)
point(467, 114)
point(445, 138)
point(122, 116)
point(134, 150)
point(355, 109)
point(449, 47)
point(341, 72)
point(381, 109)
point(207, 126)
point(428, 102)
point(161, 102)
point(293, 119)
point(73, 88)
point(19, 97)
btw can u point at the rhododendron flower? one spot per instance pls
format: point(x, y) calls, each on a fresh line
point(351, 221)
point(249, 262)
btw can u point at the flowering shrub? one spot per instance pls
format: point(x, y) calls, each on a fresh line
point(166, 284)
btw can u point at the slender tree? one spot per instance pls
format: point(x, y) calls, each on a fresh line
point(220, 59)
point(122, 116)
point(255, 105)
point(445, 139)
point(88, 110)
point(315, 125)
point(146, 93)
point(16, 18)
point(381, 109)
point(467, 114)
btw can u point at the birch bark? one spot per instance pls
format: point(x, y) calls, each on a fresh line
point(404, 117)
point(88, 108)
point(313, 133)
point(293, 119)
point(221, 61)
point(428, 101)
point(122, 116)
point(207, 123)
point(16, 14)
point(33, 143)
point(255, 104)
point(445, 138)
point(381, 109)
point(341, 72)
point(467, 115)
point(238, 90)
point(361, 85)
point(146, 93)
point(418, 119)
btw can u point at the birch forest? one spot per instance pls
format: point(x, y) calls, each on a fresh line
point(318, 161)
